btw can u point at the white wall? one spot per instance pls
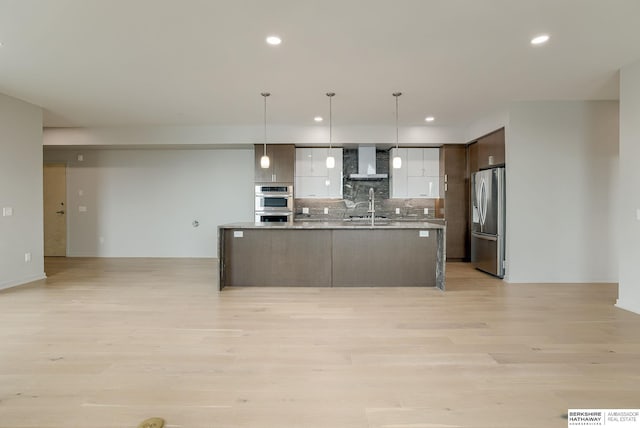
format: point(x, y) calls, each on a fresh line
point(20, 189)
point(629, 219)
point(562, 187)
point(141, 203)
point(487, 124)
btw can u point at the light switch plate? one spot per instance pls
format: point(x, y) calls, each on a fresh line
point(82, 209)
point(80, 158)
point(638, 214)
point(7, 211)
point(326, 210)
point(397, 210)
point(426, 211)
point(424, 233)
point(238, 233)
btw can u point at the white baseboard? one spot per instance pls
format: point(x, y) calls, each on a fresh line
point(628, 306)
point(22, 281)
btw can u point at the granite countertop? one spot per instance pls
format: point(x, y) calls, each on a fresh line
point(380, 224)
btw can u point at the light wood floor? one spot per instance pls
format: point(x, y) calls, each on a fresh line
point(110, 342)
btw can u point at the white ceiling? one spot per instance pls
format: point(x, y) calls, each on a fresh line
point(205, 62)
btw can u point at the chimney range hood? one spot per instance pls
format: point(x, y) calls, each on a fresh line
point(367, 165)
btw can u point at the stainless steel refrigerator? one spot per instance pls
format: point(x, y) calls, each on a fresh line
point(488, 221)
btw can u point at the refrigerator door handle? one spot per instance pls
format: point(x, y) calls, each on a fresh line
point(478, 201)
point(486, 237)
point(483, 202)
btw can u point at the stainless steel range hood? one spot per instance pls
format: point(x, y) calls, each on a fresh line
point(367, 165)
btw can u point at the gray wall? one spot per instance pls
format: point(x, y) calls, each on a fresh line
point(20, 189)
point(629, 218)
point(562, 191)
point(142, 203)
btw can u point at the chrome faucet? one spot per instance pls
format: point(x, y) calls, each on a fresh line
point(372, 205)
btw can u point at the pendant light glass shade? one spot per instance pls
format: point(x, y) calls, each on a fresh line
point(331, 161)
point(397, 160)
point(264, 160)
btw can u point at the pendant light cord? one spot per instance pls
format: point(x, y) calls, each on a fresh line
point(330, 95)
point(265, 95)
point(397, 94)
point(330, 124)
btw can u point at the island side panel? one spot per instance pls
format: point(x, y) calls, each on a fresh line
point(279, 257)
point(384, 258)
point(441, 259)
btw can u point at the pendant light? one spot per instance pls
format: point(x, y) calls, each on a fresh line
point(264, 160)
point(397, 160)
point(331, 161)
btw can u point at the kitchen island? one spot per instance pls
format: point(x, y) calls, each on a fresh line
point(332, 254)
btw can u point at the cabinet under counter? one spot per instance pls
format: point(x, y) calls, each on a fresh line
point(332, 254)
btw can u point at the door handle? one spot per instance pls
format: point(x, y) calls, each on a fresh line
point(60, 212)
point(485, 237)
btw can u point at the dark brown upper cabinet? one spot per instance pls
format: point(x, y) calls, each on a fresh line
point(487, 151)
point(282, 159)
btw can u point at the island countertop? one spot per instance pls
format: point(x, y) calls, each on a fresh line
point(332, 254)
point(380, 224)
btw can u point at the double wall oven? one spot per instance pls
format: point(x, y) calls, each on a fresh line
point(273, 203)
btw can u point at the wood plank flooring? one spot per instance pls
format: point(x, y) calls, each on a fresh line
point(110, 342)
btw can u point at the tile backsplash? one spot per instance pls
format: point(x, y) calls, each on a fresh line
point(356, 197)
point(339, 209)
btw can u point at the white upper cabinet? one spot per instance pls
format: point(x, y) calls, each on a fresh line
point(419, 175)
point(312, 177)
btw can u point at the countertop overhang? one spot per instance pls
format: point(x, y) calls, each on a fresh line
point(336, 225)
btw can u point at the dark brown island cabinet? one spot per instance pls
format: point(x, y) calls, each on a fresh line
point(326, 254)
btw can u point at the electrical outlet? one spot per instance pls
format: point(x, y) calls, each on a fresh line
point(638, 214)
point(426, 211)
point(27, 257)
point(397, 210)
point(80, 192)
point(80, 158)
point(305, 210)
point(7, 211)
point(82, 209)
point(326, 210)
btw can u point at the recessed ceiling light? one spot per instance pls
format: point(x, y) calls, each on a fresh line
point(429, 119)
point(317, 119)
point(539, 40)
point(274, 40)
